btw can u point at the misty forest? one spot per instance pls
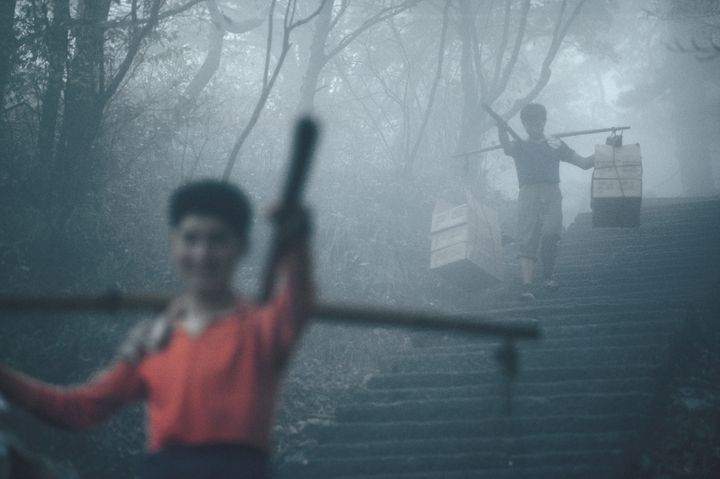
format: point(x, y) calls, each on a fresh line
point(107, 106)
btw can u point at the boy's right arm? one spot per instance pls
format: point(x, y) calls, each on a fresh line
point(75, 407)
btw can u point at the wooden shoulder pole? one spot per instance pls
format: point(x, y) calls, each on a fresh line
point(114, 301)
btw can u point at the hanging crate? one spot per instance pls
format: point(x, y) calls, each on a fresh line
point(617, 186)
point(465, 245)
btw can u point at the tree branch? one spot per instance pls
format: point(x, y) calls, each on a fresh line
point(128, 20)
point(132, 50)
point(559, 34)
point(340, 13)
point(431, 101)
point(305, 20)
point(268, 81)
point(382, 15)
point(373, 121)
point(502, 46)
point(510, 66)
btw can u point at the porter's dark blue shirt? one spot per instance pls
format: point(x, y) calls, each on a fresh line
point(539, 162)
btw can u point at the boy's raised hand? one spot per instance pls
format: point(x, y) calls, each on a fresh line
point(293, 226)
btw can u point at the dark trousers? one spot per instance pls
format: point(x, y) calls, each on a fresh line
point(216, 461)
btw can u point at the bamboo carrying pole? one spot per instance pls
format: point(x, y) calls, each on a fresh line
point(566, 134)
point(114, 301)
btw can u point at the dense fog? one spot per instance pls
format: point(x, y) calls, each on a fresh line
point(107, 106)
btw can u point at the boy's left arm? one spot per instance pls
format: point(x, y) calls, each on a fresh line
point(74, 407)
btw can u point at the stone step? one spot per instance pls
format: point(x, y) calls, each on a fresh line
point(591, 305)
point(572, 286)
point(508, 472)
point(584, 386)
point(521, 444)
point(450, 409)
point(647, 289)
point(643, 242)
point(442, 463)
point(652, 217)
point(606, 254)
point(584, 327)
point(555, 337)
point(583, 390)
point(596, 334)
point(630, 269)
point(617, 332)
point(654, 262)
point(613, 334)
point(649, 217)
point(703, 222)
point(529, 373)
point(550, 358)
point(599, 347)
point(472, 427)
point(675, 223)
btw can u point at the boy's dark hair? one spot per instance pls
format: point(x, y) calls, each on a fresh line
point(533, 110)
point(215, 198)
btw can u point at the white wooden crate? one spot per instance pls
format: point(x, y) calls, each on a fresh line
point(618, 171)
point(606, 155)
point(444, 218)
point(465, 244)
point(616, 188)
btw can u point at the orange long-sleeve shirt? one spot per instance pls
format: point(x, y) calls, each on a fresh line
point(218, 387)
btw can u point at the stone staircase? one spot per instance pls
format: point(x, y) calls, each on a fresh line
point(586, 393)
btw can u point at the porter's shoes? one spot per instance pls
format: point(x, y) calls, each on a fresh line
point(550, 284)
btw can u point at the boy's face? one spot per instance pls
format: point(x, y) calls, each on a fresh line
point(205, 251)
point(535, 127)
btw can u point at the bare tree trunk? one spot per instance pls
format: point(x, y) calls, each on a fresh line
point(78, 167)
point(471, 116)
point(7, 51)
point(57, 45)
point(7, 44)
point(83, 111)
point(412, 155)
point(88, 92)
point(317, 59)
